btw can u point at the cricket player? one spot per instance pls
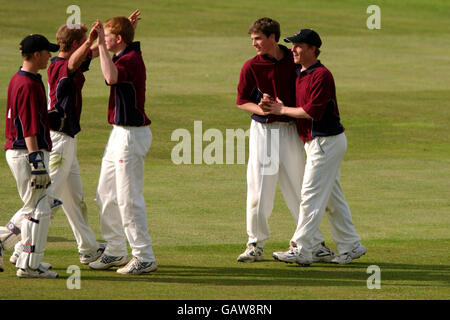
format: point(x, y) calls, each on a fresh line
point(325, 145)
point(66, 80)
point(275, 150)
point(119, 193)
point(27, 153)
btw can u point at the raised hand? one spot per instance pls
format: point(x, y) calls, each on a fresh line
point(134, 18)
point(93, 34)
point(98, 27)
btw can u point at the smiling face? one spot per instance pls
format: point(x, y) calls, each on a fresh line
point(304, 54)
point(119, 33)
point(114, 42)
point(262, 43)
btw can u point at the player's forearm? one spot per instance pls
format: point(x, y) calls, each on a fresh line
point(32, 144)
point(77, 58)
point(294, 112)
point(252, 108)
point(94, 49)
point(109, 70)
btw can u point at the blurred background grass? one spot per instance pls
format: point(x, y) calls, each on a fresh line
point(393, 94)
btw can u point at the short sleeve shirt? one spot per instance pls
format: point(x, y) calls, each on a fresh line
point(127, 96)
point(26, 112)
point(263, 74)
point(316, 94)
point(65, 92)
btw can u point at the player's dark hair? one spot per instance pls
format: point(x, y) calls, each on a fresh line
point(267, 26)
point(27, 56)
point(316, 52)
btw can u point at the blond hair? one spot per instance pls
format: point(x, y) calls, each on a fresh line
point(66, 36)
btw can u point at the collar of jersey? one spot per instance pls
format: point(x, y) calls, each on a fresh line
point(52, 60)
point(310, 69)
point(33, 76)
point(134, 46)
point(285, 54)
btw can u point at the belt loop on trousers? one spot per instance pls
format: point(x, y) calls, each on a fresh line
point(28, 217)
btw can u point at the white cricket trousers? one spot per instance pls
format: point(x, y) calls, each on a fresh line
point(321, 187)
point(20, 169)
point(66, 186)
point(275, 155)
point(119, 193)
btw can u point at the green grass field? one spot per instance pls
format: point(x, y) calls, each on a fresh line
point(393, 88)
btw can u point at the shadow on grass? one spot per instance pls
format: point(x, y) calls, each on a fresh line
point(278, 274)
point(59, 239)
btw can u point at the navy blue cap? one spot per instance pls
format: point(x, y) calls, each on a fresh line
point(37, 42)
point(307, 36)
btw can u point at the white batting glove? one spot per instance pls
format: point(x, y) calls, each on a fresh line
point(39, 176)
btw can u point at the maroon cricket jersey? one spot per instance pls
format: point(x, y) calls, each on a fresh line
point(26, 112)
point(263, 74)
point(127, 96)
point(316, 94)
point(65, 92)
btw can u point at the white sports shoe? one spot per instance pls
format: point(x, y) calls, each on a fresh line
point(88, 258)
point(135, 266)
point(348, 257)
point(45, 266)
point(302, 261)
point(323, 254)
point(252, 254)
point(38, 273)
point(286, 256)
point(42, 266)
point(291, 256)
point(106, 262)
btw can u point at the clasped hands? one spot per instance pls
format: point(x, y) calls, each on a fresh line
point(270, 105)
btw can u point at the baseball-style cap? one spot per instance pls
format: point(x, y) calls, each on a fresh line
point(37, 42)
point(307, 36)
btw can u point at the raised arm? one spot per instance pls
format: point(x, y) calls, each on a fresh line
point(94, 49)
point(77, 58)
point(108, 67)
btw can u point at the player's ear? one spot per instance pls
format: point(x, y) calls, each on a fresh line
point(272, 37)
point(119, 39)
